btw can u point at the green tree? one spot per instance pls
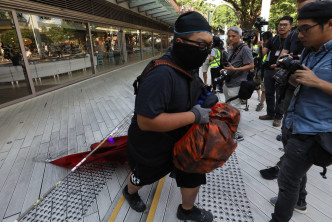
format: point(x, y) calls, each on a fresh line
point(280, 9)
point(56, 33)
point(222, 16)
point(248, 11)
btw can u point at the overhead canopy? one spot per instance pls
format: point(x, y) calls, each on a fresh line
point(166, 11)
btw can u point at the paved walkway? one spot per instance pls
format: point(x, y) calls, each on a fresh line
point(68, 120)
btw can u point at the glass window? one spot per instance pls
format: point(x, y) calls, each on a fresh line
point(14, 81)
point(170, 40)
point(57, 49)
point(108, 49)
point(132, 42)
point(147, 44)
point(164, 42)
point(157, 43)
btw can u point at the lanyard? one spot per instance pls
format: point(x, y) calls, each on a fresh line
point(299, 86)
point(307, 59)
point(280, 45)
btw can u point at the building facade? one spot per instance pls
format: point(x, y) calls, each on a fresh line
point(49, 44)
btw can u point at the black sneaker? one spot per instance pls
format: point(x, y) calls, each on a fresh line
point(195, 214)
point(270, 173)
point(134, 200)
point(259, 107)
point(300, 207)
point(279, 137)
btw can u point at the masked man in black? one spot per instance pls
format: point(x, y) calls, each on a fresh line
point(164, 110)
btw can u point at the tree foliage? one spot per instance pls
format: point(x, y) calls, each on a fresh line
point(248, 11)
point(280, 9)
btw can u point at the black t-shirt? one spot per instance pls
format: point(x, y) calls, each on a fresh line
point(275, 46)
point(163, 90)
point(293, 44)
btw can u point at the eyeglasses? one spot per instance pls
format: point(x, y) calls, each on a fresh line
point(202, 45)
point(304, 29)
point(283, 24)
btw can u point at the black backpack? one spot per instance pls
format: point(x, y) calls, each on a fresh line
point(246, 90)
point(320, 153)
point(195, 83)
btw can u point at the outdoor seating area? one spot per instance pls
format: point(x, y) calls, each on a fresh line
point(40, 69)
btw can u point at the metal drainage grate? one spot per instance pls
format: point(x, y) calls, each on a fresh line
point(225, 195)
point(72, 198)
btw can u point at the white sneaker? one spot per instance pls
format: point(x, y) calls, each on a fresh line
point(239, 136)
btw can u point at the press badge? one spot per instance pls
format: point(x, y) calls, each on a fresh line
point(277, 53)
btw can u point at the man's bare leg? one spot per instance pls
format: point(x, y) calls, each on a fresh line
point(188, 197)
point(263, 97)
point(205, 77)
point(130, 192)
point(131, 187)
point(187, 211)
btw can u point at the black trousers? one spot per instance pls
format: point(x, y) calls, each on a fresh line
point(215, 73)
point(292, 176)
point(274, 107)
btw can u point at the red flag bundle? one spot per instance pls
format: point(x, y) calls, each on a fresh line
point(111, 150)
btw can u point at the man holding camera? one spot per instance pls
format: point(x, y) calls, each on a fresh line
point(309, 115)
point(240, 61)
point(293, 47)
point(273, 50)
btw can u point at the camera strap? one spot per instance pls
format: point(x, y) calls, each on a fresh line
point(237, 50)
point(299, 86)
point(153, 64)
point(307, 59)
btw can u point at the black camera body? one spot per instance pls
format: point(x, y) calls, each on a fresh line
point(288, 67)
point(260, 22)
point(248, 35)
point(223, 77)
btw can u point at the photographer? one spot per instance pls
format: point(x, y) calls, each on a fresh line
point(273, 49)
point(251, 37)
point(218, 58)
point(239, 63)
point(258, 78)
point(293, 47)
point(309, 114)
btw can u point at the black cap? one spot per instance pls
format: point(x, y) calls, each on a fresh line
point(322, 9)
point(191, 22)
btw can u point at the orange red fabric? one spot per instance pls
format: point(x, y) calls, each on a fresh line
point(206, 147)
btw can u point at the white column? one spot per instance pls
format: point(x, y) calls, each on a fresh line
point(266, 4)
point(35, 28)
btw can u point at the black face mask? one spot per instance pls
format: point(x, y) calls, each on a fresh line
point(188, 56)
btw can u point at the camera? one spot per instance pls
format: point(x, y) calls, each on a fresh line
point(248, 35)
point(260, 22)
point(223, 76)
point(288, 67)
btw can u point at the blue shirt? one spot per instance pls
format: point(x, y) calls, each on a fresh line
point(312, 113)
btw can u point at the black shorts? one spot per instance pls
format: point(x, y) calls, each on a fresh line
point(143, 175)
